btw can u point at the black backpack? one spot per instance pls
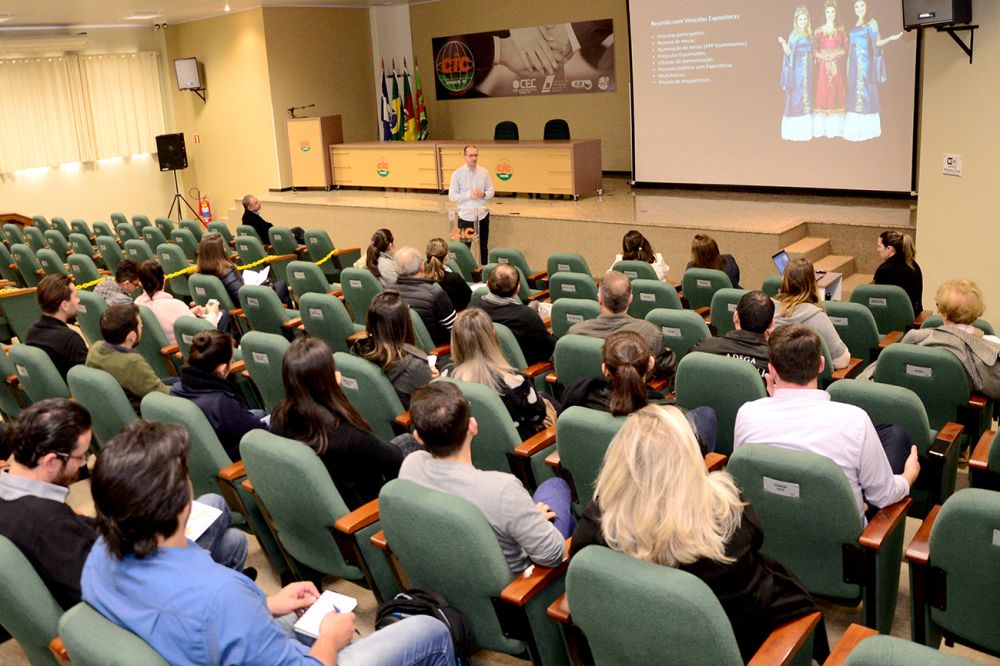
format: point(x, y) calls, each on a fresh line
point(421, 602)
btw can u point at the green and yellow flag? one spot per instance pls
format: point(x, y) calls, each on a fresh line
point(421, 107)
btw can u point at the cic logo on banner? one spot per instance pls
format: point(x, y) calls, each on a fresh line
point(455, 66)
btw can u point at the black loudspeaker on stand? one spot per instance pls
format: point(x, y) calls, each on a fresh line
point(173, 156)
point(933, 13)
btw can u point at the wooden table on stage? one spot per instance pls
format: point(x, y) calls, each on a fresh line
point(541, 167)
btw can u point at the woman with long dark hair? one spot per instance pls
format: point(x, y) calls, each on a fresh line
point(213, 259)
point(378, 257)
point(316, 412)
point(636, 247)
point(436, 269)
point(899, 266)
point(705, 254)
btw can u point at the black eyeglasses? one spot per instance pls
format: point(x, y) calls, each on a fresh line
point(82, 458)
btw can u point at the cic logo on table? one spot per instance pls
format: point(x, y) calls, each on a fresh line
point(504, 170)
point(304, 146)
point(382, 168)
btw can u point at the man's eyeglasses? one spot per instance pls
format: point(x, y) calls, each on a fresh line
point(81, 458)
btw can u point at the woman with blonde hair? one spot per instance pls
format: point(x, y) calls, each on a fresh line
point(705, 254)
point(899, 266)
point(476, 356)
point(798, 302)
point(436, 269)
point(656, 501)
point(636, 247)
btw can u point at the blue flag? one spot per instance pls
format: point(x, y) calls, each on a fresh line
point(386, 112)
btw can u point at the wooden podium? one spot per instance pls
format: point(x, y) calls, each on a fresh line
point(309, 141)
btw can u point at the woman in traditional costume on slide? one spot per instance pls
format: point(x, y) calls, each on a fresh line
point(797, 78)
point(865, 72)
point(830, 42)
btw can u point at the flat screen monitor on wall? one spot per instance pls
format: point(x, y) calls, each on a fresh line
point(782, 93)
point(188, 74)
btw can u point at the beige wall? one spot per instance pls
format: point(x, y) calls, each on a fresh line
point(602, 116)
point(237, 153)
point(320, 56)
point(957, 217)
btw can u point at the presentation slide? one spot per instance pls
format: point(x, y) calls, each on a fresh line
point(777, 93)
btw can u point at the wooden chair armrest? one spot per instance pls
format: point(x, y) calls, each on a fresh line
point(354, 337)
point(978, 401)
point(659, 385)
point(345, 250)
point(282, 257)
point(553, 459)
point(559, 610)
point(477, 274)
point(551, 378)
point(536, 443)
point(237, 367)
point(58, 650)
point(981, 455)
point(854, 635)
point(13, 380)
point(169, 350)
point(247, 486)
point(851, 369)
point(102, 271)
point(540, 296)
point(299, 249)
point(404, 420)
point(528, 584)
point(379, 541)
point(236, 312)
point(676, 284)
point(233, 472)
point(919, 550)
point(946, 438)
point(360, 518)
point(540, 275)
point(920, 318)
point(889, 338)
point(338, 294)
point(715, 461)
point(785, 641)
point(884, 522)
point(703, 311)
point(441, 350)
point(294, 322)
point(537, 369)
point(6, 283)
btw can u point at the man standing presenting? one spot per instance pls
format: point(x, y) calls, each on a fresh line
point(470, 188)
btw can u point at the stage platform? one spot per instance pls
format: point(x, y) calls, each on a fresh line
point(751, 226)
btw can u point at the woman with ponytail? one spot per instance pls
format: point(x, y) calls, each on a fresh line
point(378, 259)
point(436, 269)
point(636, 247)
point(899, 266)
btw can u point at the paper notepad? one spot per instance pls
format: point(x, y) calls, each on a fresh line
point(328, 602)
point(256, 277)
point(201, 518)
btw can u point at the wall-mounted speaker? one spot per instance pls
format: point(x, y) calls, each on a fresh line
point(171, 152)
point(935, 13)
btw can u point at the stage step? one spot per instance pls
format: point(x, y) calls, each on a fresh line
point(812, 249)
point(853, 281)
point(836, 263)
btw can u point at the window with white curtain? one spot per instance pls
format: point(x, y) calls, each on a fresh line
point(56, 110)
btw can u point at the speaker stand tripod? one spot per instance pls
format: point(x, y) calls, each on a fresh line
point(178, 198)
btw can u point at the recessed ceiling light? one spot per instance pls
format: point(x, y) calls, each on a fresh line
point(142, 16)
point(5, 17)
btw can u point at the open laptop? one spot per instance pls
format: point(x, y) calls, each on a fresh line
point(780, 260)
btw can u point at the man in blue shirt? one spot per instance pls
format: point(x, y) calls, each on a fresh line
point(146, 576)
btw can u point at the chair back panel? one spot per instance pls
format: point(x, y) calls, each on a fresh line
point(889, 304)
point(371, 393)
point(263, 354)
point(92, 307)
point(934, 374)
point(497, 435)
point(359, 287)
point(856, 326)
point(577, 357)
point(582, 437)
point(569, 311)
point(723, 307)
point(37, 374)
point(326, 318)
point(185, 328)
point(635, 270)
point(305, 277)
point(700, 284)
point(93, 640)
point(27, 609)
point(681, 329)
point(104, 398)
point(567, 263)
point(572, 285)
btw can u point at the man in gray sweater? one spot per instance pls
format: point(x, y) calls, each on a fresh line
point(529, 529)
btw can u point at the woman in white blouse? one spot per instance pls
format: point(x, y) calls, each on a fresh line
point(635, 247)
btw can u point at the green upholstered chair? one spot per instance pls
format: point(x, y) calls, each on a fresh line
point(566, 262)
point(954, 567)
point(360, 287)
point(723, 306)
point(165, 226)
point(118, 218)
point(890, 651)
point(83, 269)
point(423, 336)
point(813, 526)
point(104, 398)
point(682, 329)
point(40, 221)
point(81, 244)
point(577, 357)
point(885, 403)
point(325, 317)
point(139, 250)
point(12, 233)
point(828, 375)
point(889, 304)
point(37, 374)
point(58, 243)
point(302, 505)
point(154, 346)
point(467, 263)
point(582, 438)
point(856, 326)
point(264, 311)
point(35, 238)
point(699, 379)
point(92, 307)
point(103, 229)
point(127, 232)
point(222, 229)
point(305, 277)
point(206, 287)
point(20, 308)
point(59, 224)
point(569, 311)
point(154, 236)
point(320, 245)
point(984, 463)
point(263, 354)
point(186, 241)
point(252, 250)
point(172, 259)
point(12, 398)
point(81, 227)
point(572, 285)
point(111, 252)
point(444, 543)
point(247, 230)
point(27, 609)
point(195, 227)
point(371, 393)
point(933, 321)
point(608, 591)
point(185, 328)
point(700, 284)
point(27, 264)
point(649, 295)
point(637, 270)
point(8, 268)
point(140, 222)
point(283, 241)
point(512, 351)
point(51, 263)
point(91, 639)
point(508, 255)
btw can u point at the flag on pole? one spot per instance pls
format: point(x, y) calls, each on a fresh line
point(385, 110)
point(397, 108)
point(421, 108)
point(409, 121)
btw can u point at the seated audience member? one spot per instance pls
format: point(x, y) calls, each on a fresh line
point(899, 266)
point(798, 302)
point(379, 257)
point(213, 259)
point(523, 524)
point(627, 363)
point(391, 345)
point(119, 291)
point(705, 254)
point(635, 247)
point(60, 304)
point(253, 218)
point(501, 304)
point(476, 357)
point(145, 576)
point(753, 319)
point(51, 441)
point(316, 412)
point(656, 501)
point(154, 296)
point(880, 464)
point(960, 303)
point(614, 296)
point(428, 299)
point(436, 270)
point(121, 328)
point(205, 382)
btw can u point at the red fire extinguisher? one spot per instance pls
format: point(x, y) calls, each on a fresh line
point(205, 207)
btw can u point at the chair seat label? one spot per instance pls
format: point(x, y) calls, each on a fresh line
point(562, 267)
point(996, 537)
point(260, 357)
point(783, 488)
point(671, 332)
point(574, 318)
point(703, 283)
point(253, 302)
point(316, 313)
point(919, 370)
point(349, 383)
point(503, 260)
point(649, 298)
point(188, 339)
point(82, 308)
point(731, 307)
point(631, 275)
point(880, 302)
point(838, 321)
point(299, 275)
point(570, 288)
point(200, 291)
point(22, 371)
point(355, 283)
